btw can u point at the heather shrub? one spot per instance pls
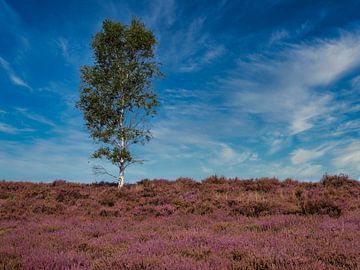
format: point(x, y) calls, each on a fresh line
point(47, 209)
point(58, 182)
point(70, 196)
point(9, 261)
point(164, 210)
point(108, 201)
point(6, 195)
point(250, 208)
point(37, 195)
point(340, 260)
point(154, 210)
point(222, 227)
point(196, 253)
point(148, 191)
point(180, 225)
point(104, 184)
point(161, 182)
point(156, 200)
point(321, 206)
point(109, 213)
point(237, 255)
point(261, 185)
point(288, 182)
point(201, 208)
point(187, 182)
point(335, 180)
point(215, 180)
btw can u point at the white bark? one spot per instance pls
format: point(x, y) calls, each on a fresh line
point(121, 180)
point(122, 145)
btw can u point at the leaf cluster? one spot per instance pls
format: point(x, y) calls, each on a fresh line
point(116, 94)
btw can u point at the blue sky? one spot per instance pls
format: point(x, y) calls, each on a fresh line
point(252, 88)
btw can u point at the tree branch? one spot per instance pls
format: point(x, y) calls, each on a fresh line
point(98, 169)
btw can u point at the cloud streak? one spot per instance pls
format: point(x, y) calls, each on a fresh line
point(5, 128)
point(14, 78)
point(285, 87)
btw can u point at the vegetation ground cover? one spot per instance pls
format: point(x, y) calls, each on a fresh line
point(214, 224)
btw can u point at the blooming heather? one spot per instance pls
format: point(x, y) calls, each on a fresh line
point(214, 224)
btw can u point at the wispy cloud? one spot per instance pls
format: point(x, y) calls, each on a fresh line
point(348, 158)
point(278, 35)
point(281, 87)
point(198, 61)
point(64, 47)
point(161, 13)
point(36, 117)
point(192, 48)
point(14, 78)
point(300, 156)
point(48, 159)
point(5, 128)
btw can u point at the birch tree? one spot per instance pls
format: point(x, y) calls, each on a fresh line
point(116, 94)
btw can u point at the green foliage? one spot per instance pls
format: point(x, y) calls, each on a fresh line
point(116, 94)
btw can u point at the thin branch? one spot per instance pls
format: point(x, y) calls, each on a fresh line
point(141, 161)
point(98, 169)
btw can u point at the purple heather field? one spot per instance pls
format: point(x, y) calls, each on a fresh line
point(214, 224)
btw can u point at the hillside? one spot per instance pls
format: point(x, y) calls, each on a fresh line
point(214, 224)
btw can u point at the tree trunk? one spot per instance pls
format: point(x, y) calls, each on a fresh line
point(122, 143)
point(122, 175)
point(122, 161)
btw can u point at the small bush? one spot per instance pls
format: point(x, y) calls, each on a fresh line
point(109, 213)
point(251, 208)
point(320, 207)
point(110, 202)
point(48, 209)
point(201, 208)
point(188, 182)
point(8, 261)
point(58, 182)
point(261, 185)
point(335, 180)
point(154, 210)
point(105, 184)
point(215, 180)
point(196, 253)
point(237, 255)
point(69, 195)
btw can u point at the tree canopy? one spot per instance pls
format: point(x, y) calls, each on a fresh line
point(116, 93)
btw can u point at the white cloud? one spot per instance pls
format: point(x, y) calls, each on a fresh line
point(348, 159)
point(278, 35)
point(303, 118)
point(192, 48)
point(300, 156)
point(201, 60)
point(226, 155)
point(65, 155)
point(14, 78)
point(64, 47)
point(4, 64)
point(18, 81)
point(290, 86)
point(280, 170)
point(161, 13)
point(356, 83)
point(351, 126)
point(36, 117)
point(5, 128)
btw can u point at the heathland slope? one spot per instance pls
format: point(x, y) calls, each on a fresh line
point(159, 224)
